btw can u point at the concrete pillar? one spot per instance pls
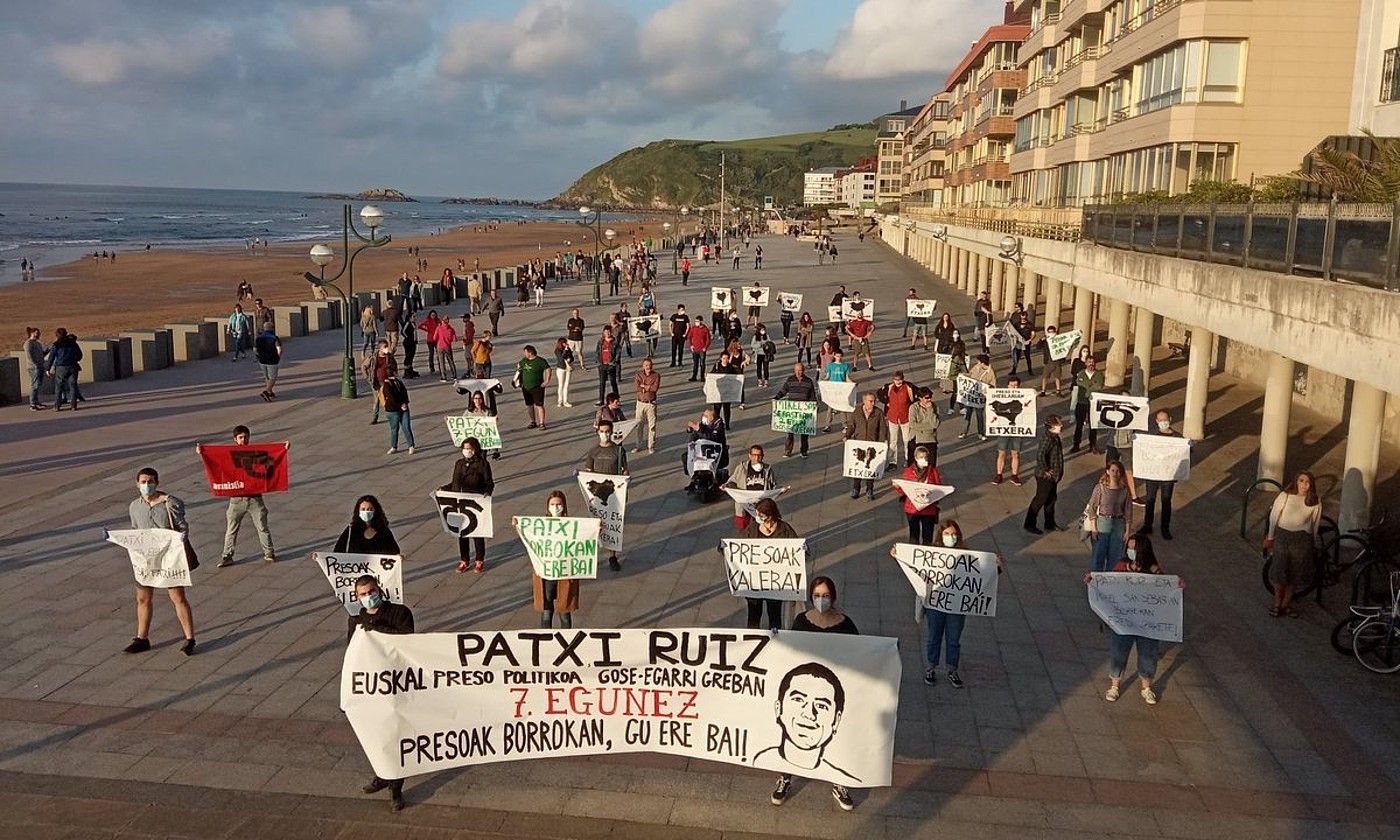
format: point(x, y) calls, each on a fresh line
point(995, 284)
point(1116, 373)
point(1054, 308)
point(969, 284)
point(1143, 329)
point(984, 273)
point(1011, 278)
point(962, 261)
point(1273, 432)
point(1362, 456)
point(1031, 295)
point(1084, 315)
point(1197, 383)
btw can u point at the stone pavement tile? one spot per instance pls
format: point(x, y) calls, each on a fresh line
point(236, 775)
point(897, 828)
point(1051, 788)
point(606, 804)
point(263, 826)
point(193, 822)
point(1097, 817)
point(1164, 796)
point(1057, 764)
point(1220, 826)
point(152, 768)
point(744, 815)
point(1309, 773)
point(528, 799)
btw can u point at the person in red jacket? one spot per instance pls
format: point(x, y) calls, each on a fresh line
point(698, 339)
point(897, 396)
point(860, 329)
point(429, 327)
point(922, 521)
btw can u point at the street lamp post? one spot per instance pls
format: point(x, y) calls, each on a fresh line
point(322, 255)
point(593, 220)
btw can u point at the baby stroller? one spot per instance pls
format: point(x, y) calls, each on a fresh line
point(707, 464)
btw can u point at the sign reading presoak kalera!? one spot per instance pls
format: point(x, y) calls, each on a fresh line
point(817, 705)
point(766, 568)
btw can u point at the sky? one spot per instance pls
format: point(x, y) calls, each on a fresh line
point(513, 98)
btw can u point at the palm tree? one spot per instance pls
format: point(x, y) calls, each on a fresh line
point(1351, 177)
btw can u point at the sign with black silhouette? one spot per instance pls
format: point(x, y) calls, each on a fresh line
point(644, 327)
point(480, 426)
point(488, 388)
point(754, 296)
point(958, 581)
point(157, 555)
point(722, 299)
point(606, 496)
point(1011, 412)
point(249, 470)
point(1134, 604)
point(774, 569)
point(790, 302)
point(343, 569)
point(560, 547)
point(833, 314)
point(703, 455)
point(724, 387)
point(921, 495)
point(916, 308)
point(850, 308)
point(817, 705)
point(1118, 411)
point(999, 335)
point(972, 392)
point(465, 514)
point(864, 458)
point(1161, 457)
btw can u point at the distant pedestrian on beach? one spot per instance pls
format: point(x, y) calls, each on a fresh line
point(241, 506)
point(267, 348)
point(156, 509)
point(240, 330)
point(35, 352)
point(245, 291)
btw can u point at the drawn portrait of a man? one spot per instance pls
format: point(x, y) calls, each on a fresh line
point(808, 708)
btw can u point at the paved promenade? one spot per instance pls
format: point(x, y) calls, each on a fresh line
point(1262, 730)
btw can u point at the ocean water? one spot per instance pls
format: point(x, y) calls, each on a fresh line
point(56, 223)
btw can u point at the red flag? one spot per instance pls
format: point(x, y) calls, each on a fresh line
point(245, 470)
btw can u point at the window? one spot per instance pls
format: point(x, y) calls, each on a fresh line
point(1223, 71)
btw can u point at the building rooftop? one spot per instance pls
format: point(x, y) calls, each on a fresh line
point(1013, 33)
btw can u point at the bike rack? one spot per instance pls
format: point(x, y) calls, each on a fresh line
point(1244, 509)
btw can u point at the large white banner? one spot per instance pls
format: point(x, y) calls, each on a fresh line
point(560, 547)
point(483, 428)
point(721, 298)
point(606, 496)
point(1161, 457)
point(798, 417)
point(840, 396)
point(851, 307)
point(790, 302)
point(343, 569)
point(951, 580)
point(916, 308)
point(750, 498)
point(465, 514)
point(621, 429)
point(1061, 345)
point(1136, 604)
point(972, 392)
point(921, 495)
point(1011, 412)
point(754, 296)
point(817, 705)
point(864, 458)
point(157, 555)
point(774, 569)
point(1118, 411)
point(724, 387)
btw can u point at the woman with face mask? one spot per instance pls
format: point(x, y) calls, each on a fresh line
point(478, 408)
point(471, 474)
point(368, 531)
point(1108, 517)
point(767, 524)
point(380, 615)
point(922, 521)
point(944, 629)
point(555, 596)
point(1140, 558)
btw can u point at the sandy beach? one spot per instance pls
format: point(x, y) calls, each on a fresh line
point(146, 289)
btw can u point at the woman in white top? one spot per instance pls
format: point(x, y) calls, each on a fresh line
point(1293, 522)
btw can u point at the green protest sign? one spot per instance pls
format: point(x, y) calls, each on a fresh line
point(797, 417)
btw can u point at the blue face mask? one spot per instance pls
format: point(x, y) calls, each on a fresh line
point(950, 540)
point(372, 601)
point(147, 488)
point(366, 516)
point(1132, 554)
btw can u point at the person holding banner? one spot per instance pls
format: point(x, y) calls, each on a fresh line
point(753, 474)
point(607, 458)
point(1021, 348)
point(800, 388)
point(1086, 382)
point(380, 615)
point(1292, 537)
point(785, 318)
point(754, 311)
point(945, 629)
point(1049, 469)
point(241, 506)
point(1165, 489)
point(767, 524)
point(1012, 445)
point(866, 423)
point(1108, 517)
point(477, 407)
point(981, 372)
point(921, 520)
point(155, 508)
point(908, 319)
point(834, 368)
point(823, 617)
point(726, 364)
point(368, 531)
point(471, 474)
point(554, 596)
point(1051, 368)
point(1140, 559)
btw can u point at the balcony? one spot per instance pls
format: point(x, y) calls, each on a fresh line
point(1063, 225)
point(1086, 54)
point(1390, 76)
point(1143, 18)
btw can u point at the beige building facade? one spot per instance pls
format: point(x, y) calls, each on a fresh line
point(925, 153)
point(982, 91)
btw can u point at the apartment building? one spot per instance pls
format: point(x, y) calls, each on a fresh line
point(819, 186)
point(1375, 97)
point(982, 93)
point(1128, 96)
point(889, 153)
point(855, 186)
point(924, 152)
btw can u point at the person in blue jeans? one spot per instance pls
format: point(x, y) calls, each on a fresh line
point(1140, 558)
point(395, 396)
point(1108, 518)
point(35, 352)
point(64, 356)
point(945, 629)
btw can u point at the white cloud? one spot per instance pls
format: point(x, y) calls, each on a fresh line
point(889, 38)
point(333, 34)
point(546, 39)
point(699, 48)
point(97, 62)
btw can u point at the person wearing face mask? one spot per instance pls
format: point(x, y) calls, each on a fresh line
point(471, 474)
point(380, 615)
point(1163, 426)
point(800, 388)
point(923, 426)
point(975, 422)
point(1049, 469)
point(1141, 559)
point(866, 423)
point(607, 458)
point(944, 629)
point(921, 522)
point(555, 596)
point(1010, 446)
point(767, 524)
point(753, 474)
point(823, 617)
point(726, 364)
point(157, 509)
point(368, 531)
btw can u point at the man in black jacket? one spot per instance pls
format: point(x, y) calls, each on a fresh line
point(1049, 469)
point(801, 388)
point(379, 615)
point(680, 322)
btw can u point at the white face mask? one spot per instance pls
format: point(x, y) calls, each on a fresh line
point(921, 462)
point(1164, 425)
point(469, 454)
point(556, 510)
point(604, 437)
point(822, 603)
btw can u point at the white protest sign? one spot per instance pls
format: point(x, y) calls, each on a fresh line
point(464, 514)
point(998, 335)
point(951, 580)
point(833, 314)
point(560, 547)
point(643, 327)
point(817, 705)
point(916, 308)
point(790, 302)
point(721, 298)
point(481, 427)
point(488, 388)
point(703, 455)
point(1018, 341)
point(1161, 457)
point(850, 307)
point(1136, 604)
point(157, 555)
point(1011, 412)
point(840, 396)
point(774, 569)
point(606, 496)
point(343, 569)
point(972, 392)
point(724, 387)
point(921, 495)
point(750, 498)
point(754, 296)
point(1063, 344)
point(1118, 411)
point(864, 458)
point(942, 365)
point(623, 428)
point(798, 417)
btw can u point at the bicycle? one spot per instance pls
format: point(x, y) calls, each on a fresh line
point(1372, 551)
point(1326, 572)
point(1376, 641)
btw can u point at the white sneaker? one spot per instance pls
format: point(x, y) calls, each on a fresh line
point(1149, 696)
point(392, 451)
point(411, 450)
point(1112, 694)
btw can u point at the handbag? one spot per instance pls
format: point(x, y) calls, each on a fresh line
point(191, 556)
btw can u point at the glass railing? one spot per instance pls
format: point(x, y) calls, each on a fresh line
point(1390, 76)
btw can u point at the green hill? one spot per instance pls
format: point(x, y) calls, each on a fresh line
point(676, 173)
